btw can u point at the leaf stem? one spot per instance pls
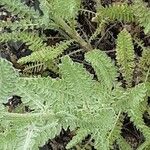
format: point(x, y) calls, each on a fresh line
point(73, 33)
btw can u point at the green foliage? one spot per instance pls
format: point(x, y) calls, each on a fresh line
point(137, 12)
point(116, 131)
point(35, 136)
point(35, 42)
point(145, 65)
point(58, 15)
point(51, 10)
point(8, 79)
point(74, 100)
point(19, 8)
point(70, 11)
point(123, 144)
point(34, 68)
point(104, 68)
point(98, 30)
point(81, 134)
point(46, 54)
point(142, 12)
point(55, 15)
point(125, 55)
point(41, 52)
point(119, 12)
point(77, 99)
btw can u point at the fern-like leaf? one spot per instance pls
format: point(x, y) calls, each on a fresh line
point(120, 12)
point(76, 72)
point(98, 30)
point(74, 100)
point(102, 141)
point(19, 8)
point(46, 53)
point(33, 40)
point(81, 134)
point(137, 118)
point(144, 65)
point(132, 97)
point(34, 68)
point(142, 13)
point(123, 145)
point(125, 55)
point(105, 70)
point(35, 136)
point(8, 80)
point(66, 9)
